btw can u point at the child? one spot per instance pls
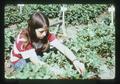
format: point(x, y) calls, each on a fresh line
point(36, 38)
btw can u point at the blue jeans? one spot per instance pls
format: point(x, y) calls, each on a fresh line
point(20, 64)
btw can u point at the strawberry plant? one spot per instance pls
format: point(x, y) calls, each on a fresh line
point(75, 15)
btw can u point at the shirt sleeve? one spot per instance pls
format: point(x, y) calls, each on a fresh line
point(51, 37)
point(28, 53)
point(54, 43)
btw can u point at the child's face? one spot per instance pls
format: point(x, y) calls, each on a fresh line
point(41, 32)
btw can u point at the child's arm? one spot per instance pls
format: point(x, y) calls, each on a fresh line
point(69, 54)
point(26, 51)
point(31, 54)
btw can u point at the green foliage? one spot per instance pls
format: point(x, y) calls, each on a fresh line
point(9, 32)
point(84, 13)
point(76, 14)
point(89, 47)
point(94, 45)
point(12, 12)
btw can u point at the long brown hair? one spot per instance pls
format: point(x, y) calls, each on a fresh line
point(38, 20)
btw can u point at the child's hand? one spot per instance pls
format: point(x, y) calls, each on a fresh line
point(79, 66)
